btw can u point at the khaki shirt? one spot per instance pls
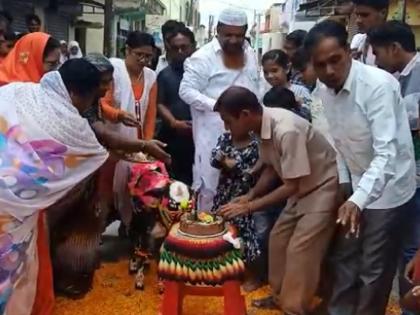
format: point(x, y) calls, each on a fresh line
point(298, 151)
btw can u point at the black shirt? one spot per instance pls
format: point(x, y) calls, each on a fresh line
point(181, 147)
point(169, 81)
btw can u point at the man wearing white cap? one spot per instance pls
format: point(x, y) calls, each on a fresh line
point(226, 61)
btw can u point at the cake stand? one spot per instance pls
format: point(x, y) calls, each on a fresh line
point(207, 266)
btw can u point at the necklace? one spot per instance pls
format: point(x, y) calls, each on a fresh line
point(137, 104)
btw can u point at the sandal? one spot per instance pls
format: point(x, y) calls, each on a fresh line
point(252, 285)
point(266, 303)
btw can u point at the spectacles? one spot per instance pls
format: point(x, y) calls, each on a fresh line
point(142, 55)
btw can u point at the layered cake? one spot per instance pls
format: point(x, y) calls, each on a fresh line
point(205, 225)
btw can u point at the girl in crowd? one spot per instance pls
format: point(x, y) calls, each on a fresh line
point(284, 98)
point(130, 104)
point(42, 129)
point(74, 50)
point(276, 66)
point(236, 157)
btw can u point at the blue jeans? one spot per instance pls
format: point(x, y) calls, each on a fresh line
point(410, 245)
point(264, 222)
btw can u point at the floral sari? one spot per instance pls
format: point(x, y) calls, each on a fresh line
point(46, 148)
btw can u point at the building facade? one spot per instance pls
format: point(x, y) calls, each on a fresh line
point(58, 16)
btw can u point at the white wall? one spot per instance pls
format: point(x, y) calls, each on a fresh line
point(94, 37)
point(272, 41)
point(174, 8)
point(301, 25)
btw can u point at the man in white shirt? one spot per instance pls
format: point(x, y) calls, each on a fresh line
point(369, 14)
point(226, 61)
point(371, 133)
point(394, 46)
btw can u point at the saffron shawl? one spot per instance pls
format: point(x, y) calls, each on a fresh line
point(24, 63)
point(46, 148)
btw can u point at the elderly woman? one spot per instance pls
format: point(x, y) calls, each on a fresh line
point(46, 149)
point(74, 50)
point(78, 220)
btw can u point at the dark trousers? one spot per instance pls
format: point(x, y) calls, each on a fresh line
point(182, 152)
point(264, 222)
point(364, 268)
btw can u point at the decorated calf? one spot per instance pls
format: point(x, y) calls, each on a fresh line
point(158, 202)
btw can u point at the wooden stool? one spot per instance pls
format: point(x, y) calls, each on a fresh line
point(234, 302)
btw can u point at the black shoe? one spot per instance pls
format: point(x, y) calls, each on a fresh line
point(75, 289)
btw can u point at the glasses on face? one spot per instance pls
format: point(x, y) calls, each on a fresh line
point(142, 55)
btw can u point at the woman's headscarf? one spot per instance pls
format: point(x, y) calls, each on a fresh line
point(24, 63)
point(101, 62)
point(79, 54)
point(50, 130)
point(63, 57)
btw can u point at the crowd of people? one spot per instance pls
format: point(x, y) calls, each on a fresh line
point(312, 153)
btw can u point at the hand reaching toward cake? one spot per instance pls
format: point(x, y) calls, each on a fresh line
point(155, 148)
point(233, 210)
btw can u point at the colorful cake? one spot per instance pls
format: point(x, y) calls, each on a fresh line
point(205, 225)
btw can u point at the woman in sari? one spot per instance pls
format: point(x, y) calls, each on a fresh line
point(46, 148)
point(33, 55)
point(131, 107)
point(78, 220)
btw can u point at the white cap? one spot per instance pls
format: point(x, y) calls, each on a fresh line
point(233, 17)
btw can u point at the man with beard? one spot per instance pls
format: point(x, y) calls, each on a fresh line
point(176, 129)
point(226, 61)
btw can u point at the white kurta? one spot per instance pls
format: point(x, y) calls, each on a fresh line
point(205, 79)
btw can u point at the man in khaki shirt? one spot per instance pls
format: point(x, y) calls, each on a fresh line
point(306, 164)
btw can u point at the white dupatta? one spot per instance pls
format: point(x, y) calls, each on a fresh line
point(46, 148)
point(124, 99)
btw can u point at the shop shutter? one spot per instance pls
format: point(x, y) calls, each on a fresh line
point(57, 25)
point(19, 9)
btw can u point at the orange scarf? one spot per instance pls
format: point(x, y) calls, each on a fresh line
point(24, 63)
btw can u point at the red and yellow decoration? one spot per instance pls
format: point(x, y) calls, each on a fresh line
point(207, 261)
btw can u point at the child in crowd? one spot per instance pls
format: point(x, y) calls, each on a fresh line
point(236, 157)
point(281, 97)
point(301, 62)
point(276, 66)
